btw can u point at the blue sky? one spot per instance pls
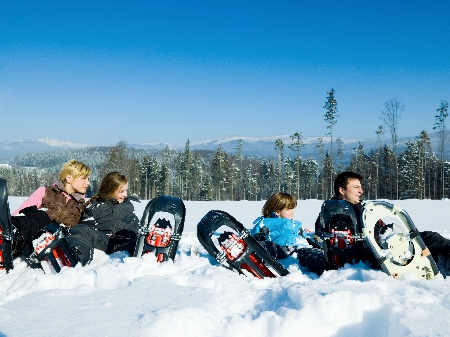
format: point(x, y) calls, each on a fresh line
point(98, 72)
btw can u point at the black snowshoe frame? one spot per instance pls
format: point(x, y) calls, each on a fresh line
point(341, 234)
point(6, 259)
point(159, 238)
point(240, 251)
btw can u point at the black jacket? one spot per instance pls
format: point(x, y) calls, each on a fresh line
point(110, 217)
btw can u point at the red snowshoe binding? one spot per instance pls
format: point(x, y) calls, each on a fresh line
point(238, 250)
point(6, 260)
point(159, 236)
point(341, 234)
point(51, 253)
point(234, 247)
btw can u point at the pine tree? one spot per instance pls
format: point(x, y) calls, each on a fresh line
point(440, 125)
point(296, 145)
point(219, 172)
point(393, 110)
point(331, 118)
point(379, 133)
point(279, 146)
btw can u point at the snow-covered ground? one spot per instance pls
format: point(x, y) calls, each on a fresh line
point(121, 296)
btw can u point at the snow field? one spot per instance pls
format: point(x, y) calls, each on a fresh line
point(118, 295)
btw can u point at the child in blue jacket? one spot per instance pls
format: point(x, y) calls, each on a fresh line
point(276, 229)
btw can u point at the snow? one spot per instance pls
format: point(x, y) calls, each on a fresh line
point(119, 295)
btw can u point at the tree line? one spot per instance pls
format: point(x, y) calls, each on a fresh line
point(416, 172)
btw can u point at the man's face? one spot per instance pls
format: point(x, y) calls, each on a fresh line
point(352, 193)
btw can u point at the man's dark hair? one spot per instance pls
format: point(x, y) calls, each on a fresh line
point(343, 178)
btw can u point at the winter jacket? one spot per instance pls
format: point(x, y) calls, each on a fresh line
point(284, 232)
point(279, 236)
point(114, 221)
point(110, 216)
point(61, 207)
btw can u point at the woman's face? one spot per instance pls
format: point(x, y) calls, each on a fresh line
point(121, 193)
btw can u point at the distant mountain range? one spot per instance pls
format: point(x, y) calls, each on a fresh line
point(251, 146)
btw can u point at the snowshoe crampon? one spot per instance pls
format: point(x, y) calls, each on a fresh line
point(51, 253)
point(161, 228)
point(342, 240)
point(236, 250)
point(396, 242)
point(6, 260)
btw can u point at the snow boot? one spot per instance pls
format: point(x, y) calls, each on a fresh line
point(6, 229)
point(161, 228)
point(312, 258)
point(443, 263)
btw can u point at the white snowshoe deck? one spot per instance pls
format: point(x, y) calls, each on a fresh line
point(397, 246)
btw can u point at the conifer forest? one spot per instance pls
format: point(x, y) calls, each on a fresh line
point(414, 172)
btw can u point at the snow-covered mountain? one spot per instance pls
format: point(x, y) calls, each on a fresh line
point(260, 146)
point(17, 147)
point(265, 146)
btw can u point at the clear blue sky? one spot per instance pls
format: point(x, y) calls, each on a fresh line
point(98, 72)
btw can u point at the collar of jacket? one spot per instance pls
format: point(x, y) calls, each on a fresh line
point(77, 196)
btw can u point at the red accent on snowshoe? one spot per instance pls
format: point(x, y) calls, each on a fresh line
point(234, 247)
point(342, 239)
point(61, 257)
point(159, 236)
point(256, 260)
point(44, 243)
point(160, 258)
point(2, 261)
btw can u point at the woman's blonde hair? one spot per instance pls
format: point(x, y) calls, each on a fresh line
point(75, 169)
point(110, 184)
point(278, 202)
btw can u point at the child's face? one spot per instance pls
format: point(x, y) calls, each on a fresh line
point(121, 193)
point(78, 184)
point(287, 213)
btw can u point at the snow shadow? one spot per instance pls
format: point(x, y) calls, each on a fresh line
point(380, 322)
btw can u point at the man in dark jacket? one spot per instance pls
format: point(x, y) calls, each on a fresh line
point(347, 186)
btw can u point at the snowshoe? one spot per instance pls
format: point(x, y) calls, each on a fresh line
point(342, 240)
point(51, 252)
point(6, 258)
point(236, 250)
point(396, 242)
point(161, 236)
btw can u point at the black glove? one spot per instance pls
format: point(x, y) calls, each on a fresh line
point(30, 224)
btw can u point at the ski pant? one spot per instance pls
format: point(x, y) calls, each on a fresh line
point(82, 239)
point(276, 251)
point(123, 240)
point(436, 243)
point(312, 258)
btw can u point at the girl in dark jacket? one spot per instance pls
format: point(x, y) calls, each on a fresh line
point(111, 213)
